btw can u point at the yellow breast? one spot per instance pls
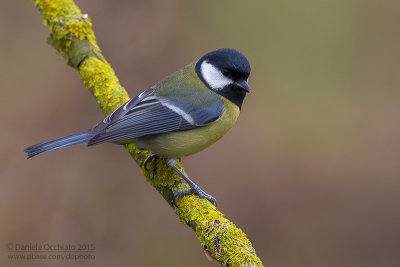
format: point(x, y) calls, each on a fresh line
point(184, 143)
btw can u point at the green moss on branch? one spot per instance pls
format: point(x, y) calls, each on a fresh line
point(73, 37)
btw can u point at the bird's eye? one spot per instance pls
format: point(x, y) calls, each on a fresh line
point(226, 72)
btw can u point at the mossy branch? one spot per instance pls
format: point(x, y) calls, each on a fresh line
point(73, 37)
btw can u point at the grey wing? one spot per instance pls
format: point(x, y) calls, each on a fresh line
point(155, 115)
point(122, 110)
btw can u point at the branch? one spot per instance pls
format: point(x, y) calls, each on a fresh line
point(73, 37)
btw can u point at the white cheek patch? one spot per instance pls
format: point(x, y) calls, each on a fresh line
point(213, 76)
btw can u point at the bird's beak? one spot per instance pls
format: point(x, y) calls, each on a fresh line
point(244, 85)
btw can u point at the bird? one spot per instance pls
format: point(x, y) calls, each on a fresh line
point(182, 114)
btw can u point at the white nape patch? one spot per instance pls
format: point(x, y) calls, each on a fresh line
point(179, 111)
point(213, 76)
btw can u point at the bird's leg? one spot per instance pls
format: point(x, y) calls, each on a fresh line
point(193, 187)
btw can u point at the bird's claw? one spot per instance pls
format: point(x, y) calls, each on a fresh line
point(148, 160)
point(197, 191)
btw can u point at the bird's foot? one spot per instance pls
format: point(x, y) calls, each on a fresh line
point(148, 160)
point(195, 190)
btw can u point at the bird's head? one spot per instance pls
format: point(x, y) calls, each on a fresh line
point(225, 71)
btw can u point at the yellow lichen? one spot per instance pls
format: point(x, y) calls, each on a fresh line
point(99, 78)
point(66, 22)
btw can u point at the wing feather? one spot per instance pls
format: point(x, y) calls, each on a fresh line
point(155, 115)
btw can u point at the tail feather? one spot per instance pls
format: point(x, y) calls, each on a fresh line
point(66, 141)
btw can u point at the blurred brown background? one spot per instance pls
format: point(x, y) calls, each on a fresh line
point(310, 172)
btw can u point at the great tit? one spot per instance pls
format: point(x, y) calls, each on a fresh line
point(179, 116)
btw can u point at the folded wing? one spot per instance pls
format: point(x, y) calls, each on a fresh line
point(155, 115)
